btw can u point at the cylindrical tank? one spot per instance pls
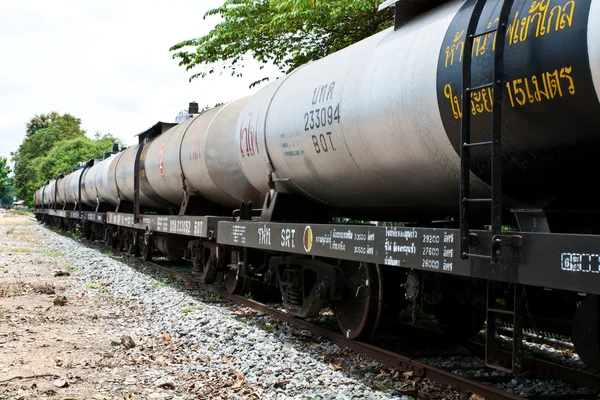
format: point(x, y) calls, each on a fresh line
point(36, 196)
point(60, 192)
point(376, 126)
point(44, 196)
point(201, 149)
point(106, 184)
point(125, 171)
point(49, 195)
point(89, 190)
point(73, 186)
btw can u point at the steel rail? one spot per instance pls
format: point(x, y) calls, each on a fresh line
point(388, 358)
point(541, 368)
point(544, 369)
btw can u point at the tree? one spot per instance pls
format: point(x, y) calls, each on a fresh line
point(28, 175)
point(66, 155)
point(41, 121)
point(5, 181)
point(44, 131)
point(288, 33)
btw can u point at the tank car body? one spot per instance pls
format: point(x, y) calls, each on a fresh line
point(198, 155)
point(376, 127)
point(72, 187)
point(50, 192)
point(37, 196)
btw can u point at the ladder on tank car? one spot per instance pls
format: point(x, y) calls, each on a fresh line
point(494, 143)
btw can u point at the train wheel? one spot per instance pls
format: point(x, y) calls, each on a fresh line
point(586, 331)
point(113, 239)
point(146, 246)
point(206, 271)
point(358, 312)
point(134, 244)
point(121, 241)
point(234, 281)
point(125, 242)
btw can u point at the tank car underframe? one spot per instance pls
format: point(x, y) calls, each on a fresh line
point(556, 261)
point(326, 263)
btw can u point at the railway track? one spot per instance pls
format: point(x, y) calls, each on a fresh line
point(479, 385)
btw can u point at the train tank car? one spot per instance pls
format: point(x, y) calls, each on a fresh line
point(373, 131)
point(376, 127)
point(198, 155)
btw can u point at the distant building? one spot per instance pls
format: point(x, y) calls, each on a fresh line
point(20, 205)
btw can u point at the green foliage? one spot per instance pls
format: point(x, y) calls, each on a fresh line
point(54, 143)
point(68, 153)
point(160, 283)
point(6, 182)
point(288, 33)
point(77, 234)
point(41, 121)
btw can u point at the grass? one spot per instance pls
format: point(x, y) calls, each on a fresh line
point(191, 307)
point(69, 267)
point(43, 288)
point(92, 285)
point(10, 230)
point(19, 250)
point(12, 289)
point(15, 220)
point(77, 234)
point(54, 253)
point(419, 314)
point(160, 283)
point(211, 297)
point(266, 325)
point(24, 212)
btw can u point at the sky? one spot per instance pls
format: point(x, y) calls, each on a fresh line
point(107, 63)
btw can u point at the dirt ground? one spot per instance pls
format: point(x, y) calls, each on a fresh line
point(57, 342)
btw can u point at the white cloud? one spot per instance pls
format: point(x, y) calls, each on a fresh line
point(106, 63)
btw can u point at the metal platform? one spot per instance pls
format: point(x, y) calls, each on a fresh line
point(554, 261)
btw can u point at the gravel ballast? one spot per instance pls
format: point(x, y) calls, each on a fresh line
point(272, 361)
point(173, 341)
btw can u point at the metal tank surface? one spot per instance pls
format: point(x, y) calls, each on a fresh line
point(63, 189)
point(201, 151)
point(105, 179)
point(50, 192)
point(72, 187)
point(89, 191)
point(37, 196)
point(44, 195)
point(125, 171)
point(72, 190)
point(376, 126)
point(60, 192)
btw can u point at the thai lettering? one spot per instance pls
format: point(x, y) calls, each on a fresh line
point(547, 86)
point(542, 18)
point(323, 93)
point(249, 137)
point(195, 148)
point(521, 91)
